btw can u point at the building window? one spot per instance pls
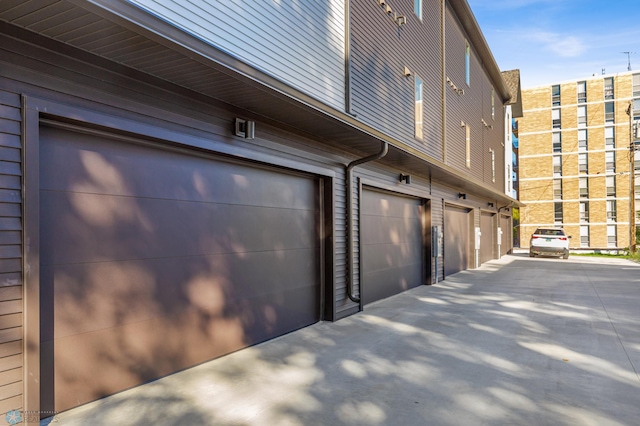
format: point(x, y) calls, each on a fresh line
point(555, 95)
point(555, 118)
point(612, 240)
point(609, 111)
point(557, 165)
point(582, 116)
point(493, 164)
point(582, 92)
point(467, 63)
point(493, 103)
point(418, 108)
point(417, 8)
point(611, 186)
point(557, 216)
point(608, 88)
point(584, 211)
point(582, 140)
point(610, 161)
point(556, 138)
point(583, 187)
point(636, 85)
point(557, 189)
point(611, 211)
point(609, 138)
point(584, 236)
point(468, 145)
point(582, 163)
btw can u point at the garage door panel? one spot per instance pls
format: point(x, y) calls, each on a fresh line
point(392, 244)
point(153, 261)
point(456, 240)
point(150, 229)
point(102, 166)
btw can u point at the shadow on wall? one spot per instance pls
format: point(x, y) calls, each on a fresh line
point(153, 261)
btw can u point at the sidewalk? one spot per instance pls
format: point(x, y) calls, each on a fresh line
point(518, 341)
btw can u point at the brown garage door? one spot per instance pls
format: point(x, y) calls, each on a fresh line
point(392, 244)
point(154, 260)
point(456, 239)
point(488, 237)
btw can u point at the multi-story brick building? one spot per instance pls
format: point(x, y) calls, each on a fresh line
point(575, 159)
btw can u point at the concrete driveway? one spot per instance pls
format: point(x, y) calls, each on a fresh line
point(517, 342)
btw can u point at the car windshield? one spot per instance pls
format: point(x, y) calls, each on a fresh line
point(549, 232)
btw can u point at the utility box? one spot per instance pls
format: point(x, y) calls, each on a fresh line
point(436, 241)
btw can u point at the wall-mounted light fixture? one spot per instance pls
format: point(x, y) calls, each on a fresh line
point(245, 128)
point(462, 124)
point(490, 204)
point(400, 20)
point(405, 178)
point(406, 72)
point(461, 195)
point(382, 2)
point(387, 9)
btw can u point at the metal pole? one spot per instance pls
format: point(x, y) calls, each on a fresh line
point(632, 179)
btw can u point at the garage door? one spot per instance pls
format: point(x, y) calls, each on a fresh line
point(507, 235)
point(488, 237)
point(154, 260)
point(456, 239)
point(392, 244)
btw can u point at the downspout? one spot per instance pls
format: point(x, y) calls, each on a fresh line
point(349, 224)
point(444, 81)
point(347, 57)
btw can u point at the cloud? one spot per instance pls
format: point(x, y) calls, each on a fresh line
point(564, 46)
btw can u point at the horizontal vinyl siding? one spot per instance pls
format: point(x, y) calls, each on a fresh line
point(308, 54)
point(382, 96)
point(11, 319)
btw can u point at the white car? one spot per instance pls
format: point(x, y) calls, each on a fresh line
point(549, 241)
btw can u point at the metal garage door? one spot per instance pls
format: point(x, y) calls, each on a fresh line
point(488, 238)
point(456, 239)
point(154, 260)
point(392, 244)
point(507, 235)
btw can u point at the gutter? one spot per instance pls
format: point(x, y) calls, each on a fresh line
point(384, 149)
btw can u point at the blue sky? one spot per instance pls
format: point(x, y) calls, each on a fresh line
point(551, 41)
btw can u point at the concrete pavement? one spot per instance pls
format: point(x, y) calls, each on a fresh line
point(518, 341)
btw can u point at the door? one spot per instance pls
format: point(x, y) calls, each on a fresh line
point(392, 244)
point(154, 260)
point(488, 237)
point(456, 239)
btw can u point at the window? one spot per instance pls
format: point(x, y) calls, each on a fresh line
point(555, 95)
point(610, 161)
point(557, 165)
point(583, 187)
point(582, 163)
point(611, 211)
point(612, 240)
point(608, 88)
point(582, 140)
point(555, 118)
point(609, 116)
point(493, 104)
point(582, 91)
point(584, 236)
point(418, 133)
point(584, 211)
point(557, 189)
point(582, 116)
point(636, 85)
point(609, 137)
point(467, 63)
point(611, 186)
point(417, 8)
point(468, 145)
point(493, 165)
point(556, 139)
point(557, 209)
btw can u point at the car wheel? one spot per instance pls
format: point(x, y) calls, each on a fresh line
point(565, 256)
point(531, 254)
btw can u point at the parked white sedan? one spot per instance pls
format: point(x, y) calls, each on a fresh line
point(549, 241)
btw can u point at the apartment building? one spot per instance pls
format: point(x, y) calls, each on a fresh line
point(180, 180)
point(576, 157)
